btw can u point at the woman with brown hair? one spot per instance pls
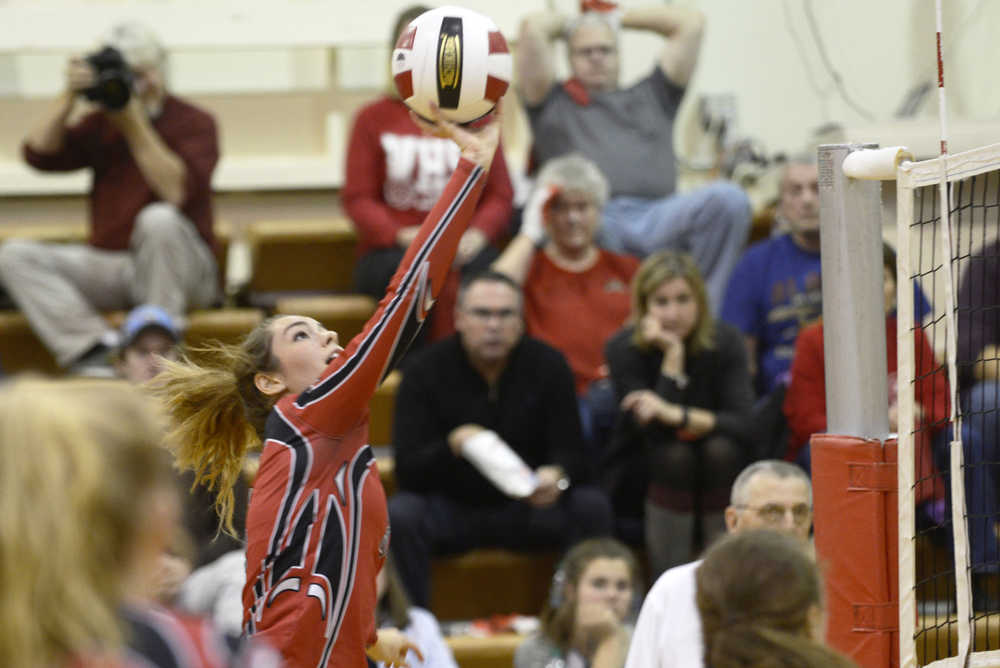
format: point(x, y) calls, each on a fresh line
point(317, 526)
point(584, 621)
point(683, 386)
point(760, 599)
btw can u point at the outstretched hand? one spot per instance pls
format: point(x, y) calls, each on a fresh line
point(478, 144)
point(391, 648)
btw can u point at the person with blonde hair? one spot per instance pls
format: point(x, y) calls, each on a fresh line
point(760, 599)
point(683, 384)
point(88, 508)
point(317, 525)
point(585, 620)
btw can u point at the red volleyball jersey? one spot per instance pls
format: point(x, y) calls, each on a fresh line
point(317, 526)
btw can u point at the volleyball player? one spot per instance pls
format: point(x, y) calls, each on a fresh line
point(317, 526)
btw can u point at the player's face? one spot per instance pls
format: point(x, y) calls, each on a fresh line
point(674, 305)
point(593, 57)
point(606, 581)
point(488, 319)
point(572, 221)
point(143, 359)
point(800, 199)
point(303, 349)
point(781, 504)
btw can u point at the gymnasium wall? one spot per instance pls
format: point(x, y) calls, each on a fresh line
point(285, 76)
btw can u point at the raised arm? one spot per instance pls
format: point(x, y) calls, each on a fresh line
point(340, 397)
point(682, 27)
point(535, 60)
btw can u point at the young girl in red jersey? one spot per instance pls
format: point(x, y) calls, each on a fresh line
point(317, 526)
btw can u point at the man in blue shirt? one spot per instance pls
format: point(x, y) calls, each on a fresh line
point(775, 290)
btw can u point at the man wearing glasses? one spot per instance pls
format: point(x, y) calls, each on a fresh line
point(628, 131)
point(769, 494)
point(487, 442)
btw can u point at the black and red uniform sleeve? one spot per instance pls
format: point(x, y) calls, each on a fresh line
point(339, 399)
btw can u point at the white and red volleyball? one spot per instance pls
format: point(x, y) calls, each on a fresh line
point(454, 57)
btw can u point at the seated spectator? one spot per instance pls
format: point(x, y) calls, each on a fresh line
point(419, 625)
point(775, 618)
point(148, 336)
point(151, 238)
point(566, 276)
point(769, 494)
point(775, 288)
point(90, 509)
point(488, 388)
point(394, 175)
point(978, 355)
point(805, 401)
point(684, 389)
point(628, 132)
point(584, 623)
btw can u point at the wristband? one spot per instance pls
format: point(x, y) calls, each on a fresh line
point(684, 418)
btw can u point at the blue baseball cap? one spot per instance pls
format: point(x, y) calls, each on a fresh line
point(145, 317)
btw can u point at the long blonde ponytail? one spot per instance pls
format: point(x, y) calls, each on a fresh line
point(216, 412)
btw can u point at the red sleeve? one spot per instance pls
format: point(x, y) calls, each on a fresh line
point(493, 215)
point(197, 145)
point(362, 192)
point(339, 399)
point(805, 399)
point(73, 154)
point(932, 391)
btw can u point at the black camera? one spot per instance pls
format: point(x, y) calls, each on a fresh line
point(113, 79)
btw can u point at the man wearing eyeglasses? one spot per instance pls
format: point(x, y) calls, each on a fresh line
point(628, 131)
point(769, 494)
point(488, 443)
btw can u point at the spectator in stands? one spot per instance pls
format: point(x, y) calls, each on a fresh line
point(394, 175)
point(584, 622)
point(775, 289)
point(147, 337)
point(151, 238)
point(774, 618)
point(566, 276)
point(89, 509)
point(805, 401)
point(769, 494)
point(978, 357)
point(488, 388)
point(396, 612)
point(684, 389)
point(628, 132)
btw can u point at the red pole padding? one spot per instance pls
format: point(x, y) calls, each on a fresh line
point(856, 531)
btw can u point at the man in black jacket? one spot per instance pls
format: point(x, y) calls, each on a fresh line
point(485, 389)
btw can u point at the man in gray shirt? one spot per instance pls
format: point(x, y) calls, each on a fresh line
point(628, 132)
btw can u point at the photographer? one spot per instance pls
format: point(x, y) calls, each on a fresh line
point(151, 156)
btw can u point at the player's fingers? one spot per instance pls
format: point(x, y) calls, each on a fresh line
point(425, 126)
point(416, 650)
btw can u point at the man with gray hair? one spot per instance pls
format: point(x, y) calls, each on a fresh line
point(628, 132)
point(151, 156)
point(564, 274)
point(769, 494)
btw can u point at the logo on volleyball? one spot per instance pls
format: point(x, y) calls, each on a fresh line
point(449, 68)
